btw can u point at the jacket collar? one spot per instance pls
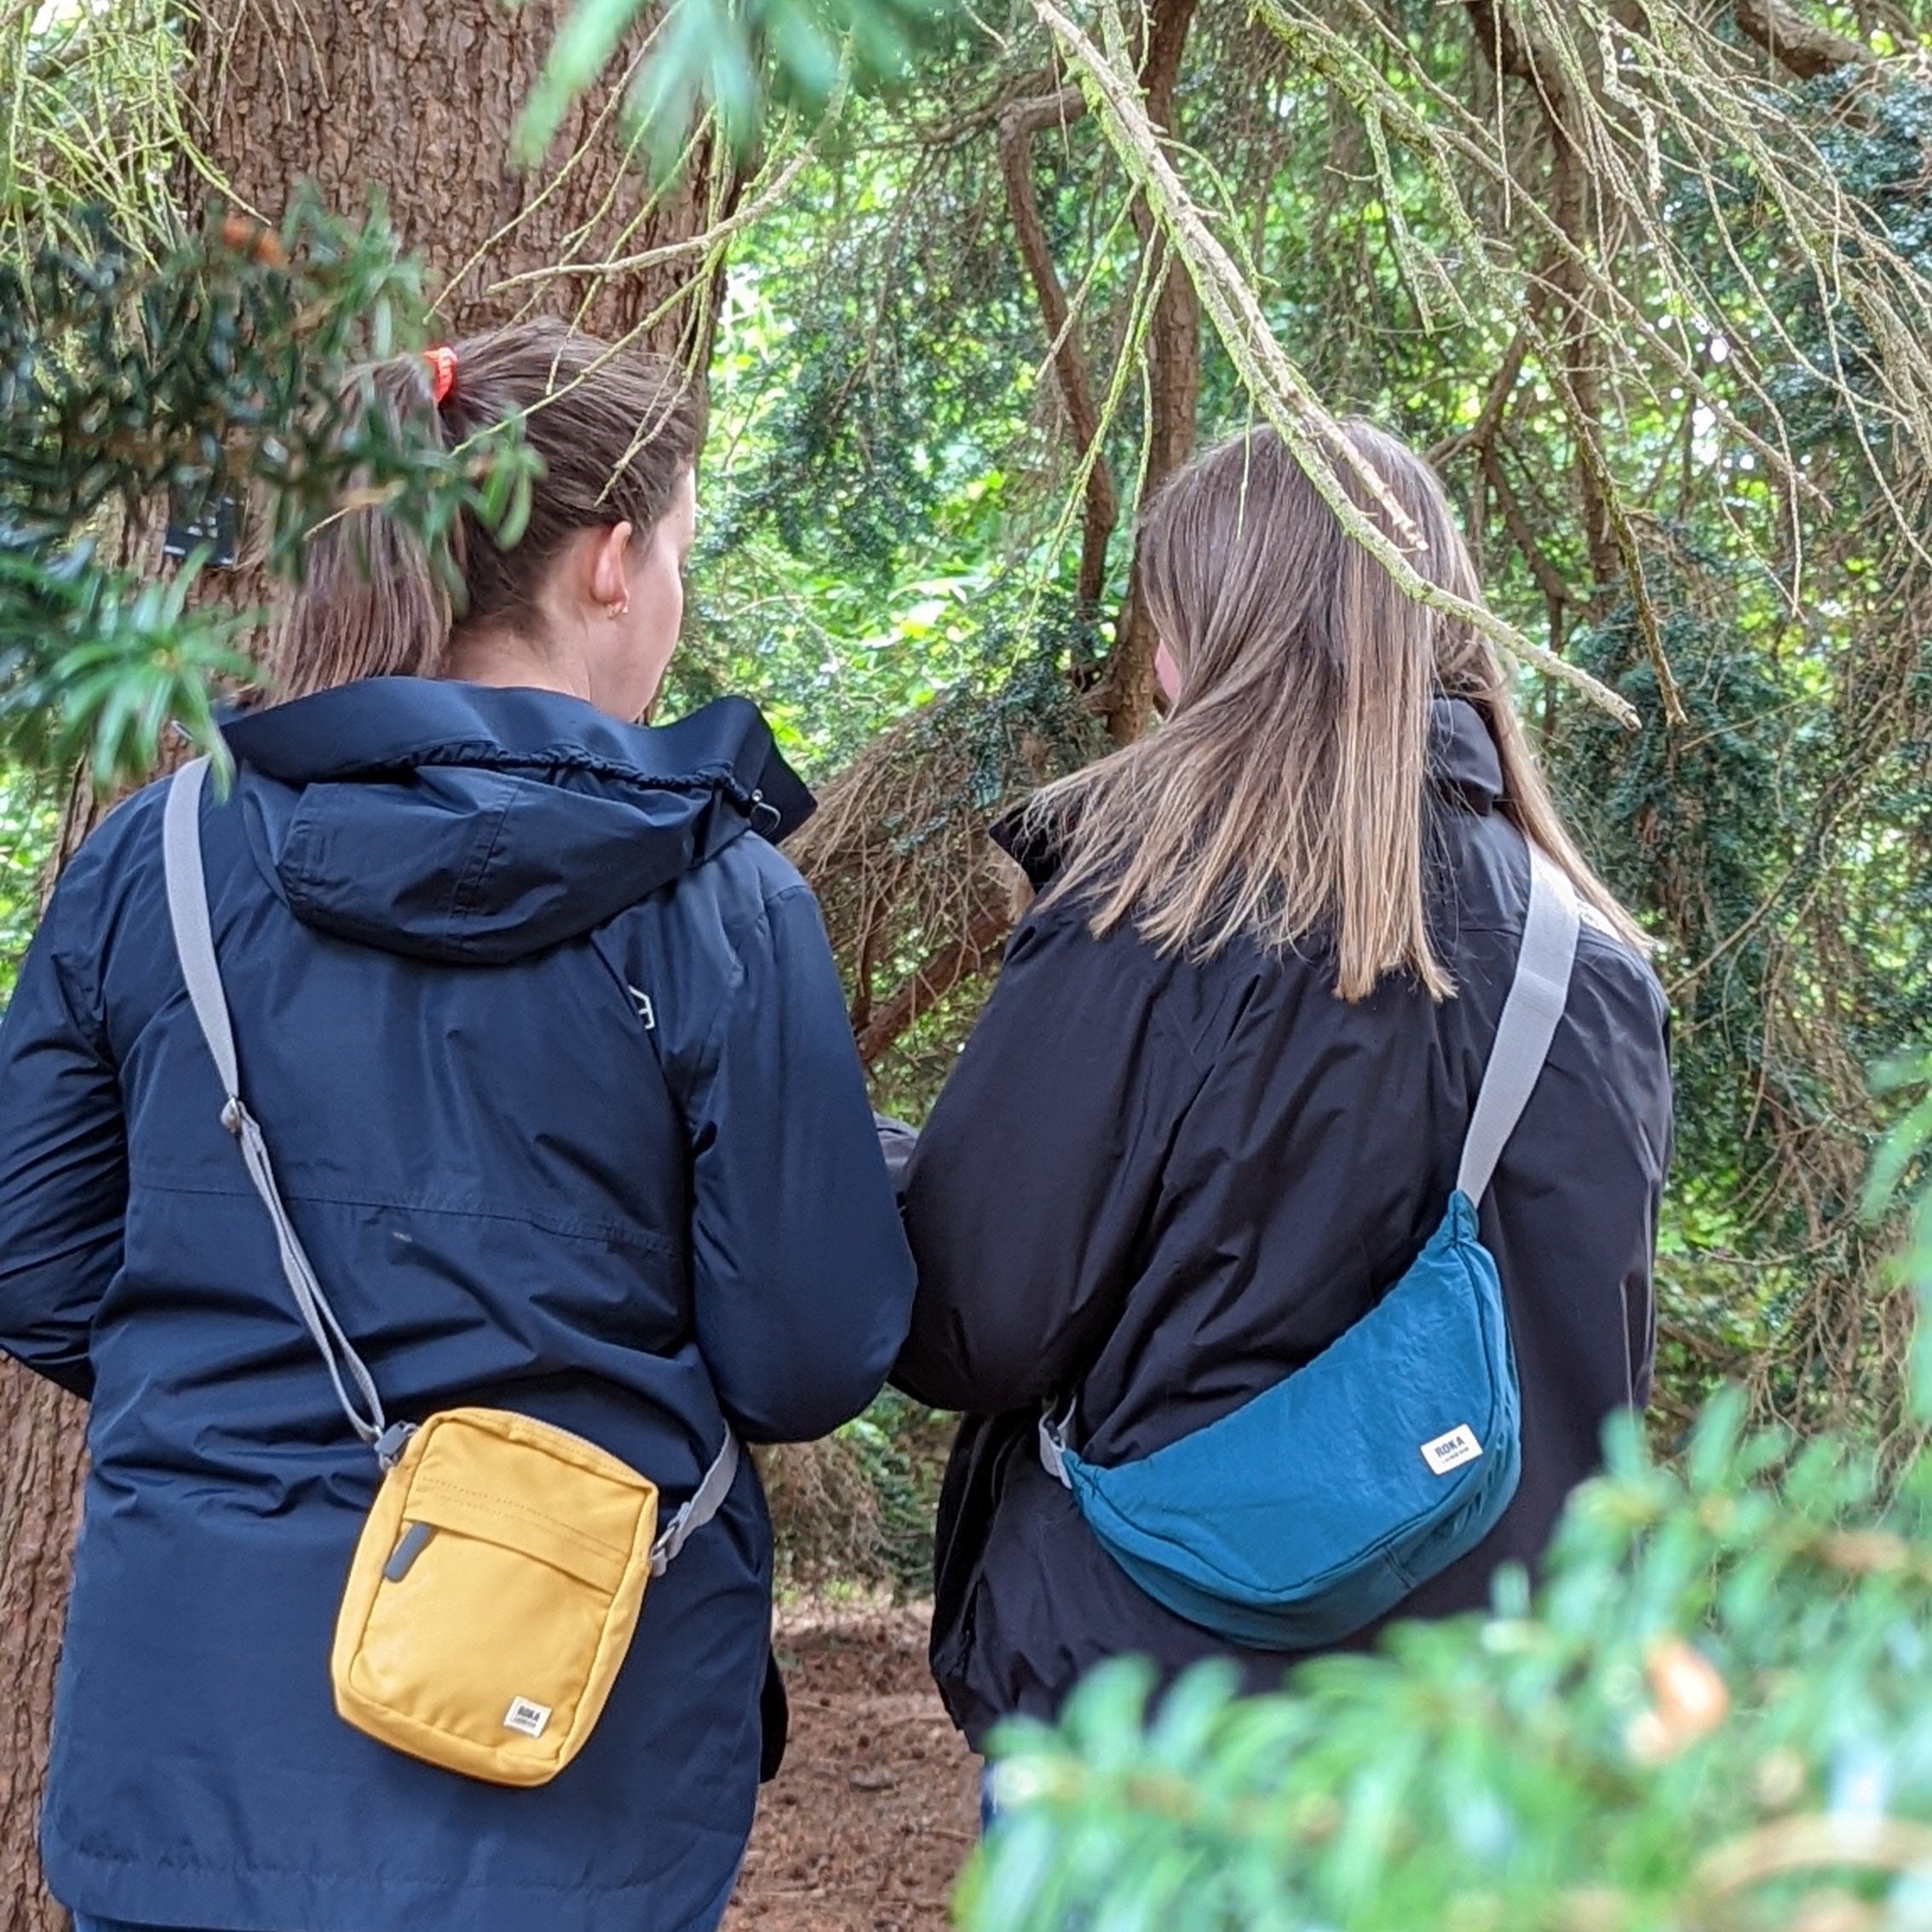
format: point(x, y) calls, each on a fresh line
point(1463, 765)
point(382, 727)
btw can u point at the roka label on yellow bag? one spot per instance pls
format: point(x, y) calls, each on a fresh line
point(493, 1596)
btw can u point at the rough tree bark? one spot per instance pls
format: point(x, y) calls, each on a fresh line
point(40, 1477)
point(420, 102)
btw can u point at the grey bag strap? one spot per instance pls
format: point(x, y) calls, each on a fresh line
point(704, 1502)
point(1538, 995)
point(1053, 1442)
point(194, 942)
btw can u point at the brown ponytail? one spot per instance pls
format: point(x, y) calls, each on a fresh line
point(616, 428)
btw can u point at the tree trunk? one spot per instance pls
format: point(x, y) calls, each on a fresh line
point(419, 103)
point(40, 1475)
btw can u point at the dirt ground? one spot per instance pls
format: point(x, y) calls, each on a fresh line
point(877, 1807)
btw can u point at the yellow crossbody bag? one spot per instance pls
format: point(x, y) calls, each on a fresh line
point(498, 1578)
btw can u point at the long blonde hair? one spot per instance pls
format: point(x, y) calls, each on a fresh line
point(1285, 798)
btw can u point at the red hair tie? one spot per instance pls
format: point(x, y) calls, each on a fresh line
point(442, 372)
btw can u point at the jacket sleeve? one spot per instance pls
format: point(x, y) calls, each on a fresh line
point(1036, 1174)
point(802, 1279)
point(63, 1167)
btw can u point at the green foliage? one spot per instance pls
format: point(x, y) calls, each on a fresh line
point(1874, 139)
point(1716, 1712)
point(26, 832)
point(859, 518)
point(1776, 857)
point(900, 1447)
point(1903, 1167)
point(733, 60)
point(98, 659)
point(220, 373)
point(93, 119)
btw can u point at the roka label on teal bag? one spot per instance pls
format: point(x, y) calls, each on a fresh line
point(1319, 1504)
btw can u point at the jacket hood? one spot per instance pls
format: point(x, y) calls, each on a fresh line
point(1463, 767)
point(472, 825)
point(1463, 763)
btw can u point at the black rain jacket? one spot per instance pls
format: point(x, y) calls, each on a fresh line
point(1160, 1186)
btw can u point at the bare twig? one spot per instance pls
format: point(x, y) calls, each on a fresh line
point(1805, 1843)
point(705, 243)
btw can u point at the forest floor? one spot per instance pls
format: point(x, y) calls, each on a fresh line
point(866, 1827)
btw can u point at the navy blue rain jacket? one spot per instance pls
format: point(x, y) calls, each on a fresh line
point(550, 1050)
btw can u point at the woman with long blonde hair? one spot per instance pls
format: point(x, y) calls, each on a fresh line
point(1214, 1109)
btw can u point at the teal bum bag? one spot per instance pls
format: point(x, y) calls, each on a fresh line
point(1321, 1502)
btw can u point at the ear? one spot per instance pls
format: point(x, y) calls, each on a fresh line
point(606, 582)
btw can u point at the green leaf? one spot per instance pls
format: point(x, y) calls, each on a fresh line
point(578, 55)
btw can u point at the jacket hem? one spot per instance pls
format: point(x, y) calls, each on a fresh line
point(150, 1894)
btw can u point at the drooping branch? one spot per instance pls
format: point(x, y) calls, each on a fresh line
point(1512, 52)
point(984, 114)
point(1018, 124)
point(1455, 150)
point(1664, 83)
point(1576, 369)
point(912, 890)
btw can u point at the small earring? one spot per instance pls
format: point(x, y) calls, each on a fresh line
point(617, 607)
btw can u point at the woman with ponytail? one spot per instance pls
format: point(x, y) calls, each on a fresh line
point(1214, 1109)
point(549, 1053)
